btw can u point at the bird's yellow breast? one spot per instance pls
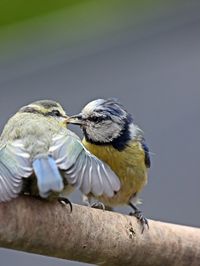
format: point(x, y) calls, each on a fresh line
point(129, 165)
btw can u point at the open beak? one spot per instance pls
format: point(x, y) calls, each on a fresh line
point(75, 119)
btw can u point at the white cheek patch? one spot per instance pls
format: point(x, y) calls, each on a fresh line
point(104, 133)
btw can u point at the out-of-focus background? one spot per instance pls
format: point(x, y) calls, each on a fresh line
point(145, 53)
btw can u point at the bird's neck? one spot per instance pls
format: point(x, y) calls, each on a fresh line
point(120, 142)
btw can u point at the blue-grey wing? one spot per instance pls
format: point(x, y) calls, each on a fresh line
point(82, 169)
point(147, 159)
point(14, 166)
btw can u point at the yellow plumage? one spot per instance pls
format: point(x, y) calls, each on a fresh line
point(111, 134)
point(128, 164)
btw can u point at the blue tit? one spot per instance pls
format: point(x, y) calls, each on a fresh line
point(41, 157)
point(112, 136)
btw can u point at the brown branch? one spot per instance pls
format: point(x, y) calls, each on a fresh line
point(94, 236)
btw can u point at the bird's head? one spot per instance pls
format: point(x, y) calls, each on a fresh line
point(46, 108)
point(105, 122)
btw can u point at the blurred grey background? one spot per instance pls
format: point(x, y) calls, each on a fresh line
point(146, 55)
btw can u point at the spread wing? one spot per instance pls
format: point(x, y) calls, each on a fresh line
point(14, 165)
point(82, 169)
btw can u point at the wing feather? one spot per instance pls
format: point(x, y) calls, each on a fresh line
point(81, 168)
point(14, 166)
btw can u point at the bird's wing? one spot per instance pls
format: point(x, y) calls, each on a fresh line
point(138, 135)
point(82, 169)
point(14, 166)
point(147, 158)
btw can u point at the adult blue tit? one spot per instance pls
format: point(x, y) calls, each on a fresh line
point(41, 157)
point(112, 136)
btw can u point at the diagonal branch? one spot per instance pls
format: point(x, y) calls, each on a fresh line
point(94, 236)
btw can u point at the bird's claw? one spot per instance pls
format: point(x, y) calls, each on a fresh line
point(98, 205)
point(64, 201)
point(143, 221)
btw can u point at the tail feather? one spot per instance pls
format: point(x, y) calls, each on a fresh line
point(48, 176)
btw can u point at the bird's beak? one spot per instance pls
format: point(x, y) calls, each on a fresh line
point(64, 119)
point(75, 119)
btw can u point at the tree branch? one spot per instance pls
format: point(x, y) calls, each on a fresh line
point(94, 236)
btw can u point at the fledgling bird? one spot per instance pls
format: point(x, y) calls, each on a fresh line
point(41, 157)
point(112, 136)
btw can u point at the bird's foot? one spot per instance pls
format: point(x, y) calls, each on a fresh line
point(64, 201)
point(98, 205)
point(143, 221)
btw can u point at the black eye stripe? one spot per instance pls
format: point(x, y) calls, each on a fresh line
point(54, 113)
point(28, 109)
point(98, 118)
point(95, 119)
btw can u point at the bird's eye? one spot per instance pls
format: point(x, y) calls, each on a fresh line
point(55, 113)
point(96, 119)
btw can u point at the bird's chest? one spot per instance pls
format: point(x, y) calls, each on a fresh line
point(127, 164)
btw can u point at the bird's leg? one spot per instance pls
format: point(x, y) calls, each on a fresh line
point(138, 214)
point(64, 201)
point(97, 204)
point(86, 200)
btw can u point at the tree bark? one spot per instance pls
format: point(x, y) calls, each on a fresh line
point(94, 236)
